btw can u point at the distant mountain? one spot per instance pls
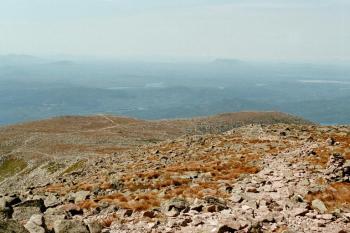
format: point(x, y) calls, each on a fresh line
point(227, 61)
point(61, 63)
point(18, 59)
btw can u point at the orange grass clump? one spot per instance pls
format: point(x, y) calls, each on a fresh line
point(107, 222)
point(56, 188)
point(87, 204)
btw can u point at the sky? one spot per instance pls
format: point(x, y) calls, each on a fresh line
point(297, 30)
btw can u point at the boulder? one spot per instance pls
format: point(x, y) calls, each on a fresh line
point(51, 215)
point(24, 210)
point(319, 206)
point(35, 224)
point(94, 227)
point(12, 226)
point(70, 226)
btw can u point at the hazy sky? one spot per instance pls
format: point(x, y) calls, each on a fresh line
point(244, 29)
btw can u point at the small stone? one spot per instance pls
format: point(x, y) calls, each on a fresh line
point(226, 229)
point(278, 184)
point(51, 201)
point(246, 207)
point(311, 215)
point(149, 214)
point(197, 221)
point(299, 212)
point(80, 196)
point(211, 209)
point(197, 208)
point(185, 222)
point(172, 213)
point(251, 190)
point(236, 198)
point(127, 212)
point(304, 182)
point(327, 216)
point(321, 224)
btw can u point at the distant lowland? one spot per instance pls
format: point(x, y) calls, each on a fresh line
point(33, 88)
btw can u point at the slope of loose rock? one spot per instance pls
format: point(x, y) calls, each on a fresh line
point(43, 150)
point(256, 178)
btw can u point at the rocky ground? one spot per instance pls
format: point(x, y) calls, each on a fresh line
point(255, 178)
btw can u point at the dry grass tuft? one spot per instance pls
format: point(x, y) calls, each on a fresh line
point(107, 221)
point(87, 204)
point(56, 188)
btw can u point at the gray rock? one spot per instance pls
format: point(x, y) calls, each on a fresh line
point(319, 206)
point(32, 203)
point(34, 225)
point(150, 214)
point(5, 213)
point(177, 204)
point(299, 212)
point(24, 210)
point(70, 226)
point(219, 203)
point(37, 219)
point(3, 203)
point(304, 182)
point(51, 201)
point(236, 198)
point(80, 196)
point(51, 215)
point(251, 190)
point(325, 216)
point(226, 229)
point(94, 227)
point(8, 201)
point(12, 226)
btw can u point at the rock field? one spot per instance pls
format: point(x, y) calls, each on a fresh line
point(255, 178)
